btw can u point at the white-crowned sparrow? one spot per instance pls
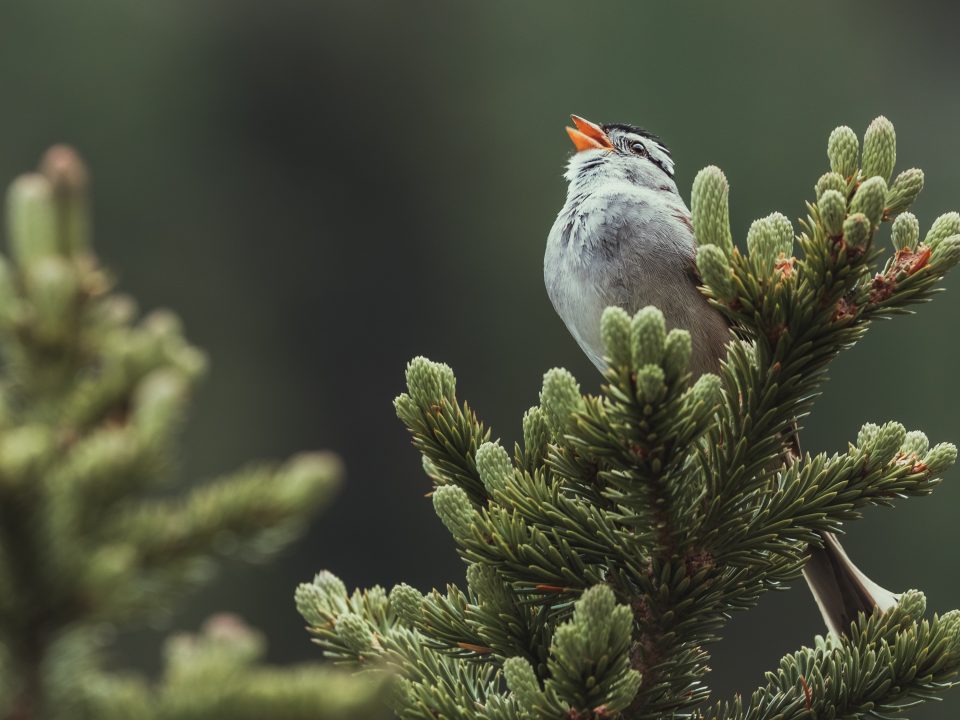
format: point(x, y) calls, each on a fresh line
point(624, 237)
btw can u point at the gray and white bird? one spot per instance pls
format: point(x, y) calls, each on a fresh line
point(624, 237)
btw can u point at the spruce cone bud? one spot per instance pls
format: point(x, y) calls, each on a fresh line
point(354, 632)
point(536, 433)
point(454, 509)
point(761, 246)
point(651, 384)
point(943, 227)
point(429, 382)
point(831, 181)
point(405, 601)
point(870, 199)
point(560, 398)
point(913, 604)
point(648, 332)
point(710, 208)
point(905, 232)
point(947, 253)
point(715, 271)
point(70, 180)
point(842, 150)
point(706, 394)
point(311, 604)
point(904, 190)
point(676, 354)
point(31, 219)
point(887, 443)
point(867, 434)
point(833, 211)
point(940, 457)
point(522, 682)
point(857, 230)
point(879, 149)
point(494, 466)
point(915, 443)
point(615, 334)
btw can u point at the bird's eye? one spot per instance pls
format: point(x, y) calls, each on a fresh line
point(638, 148)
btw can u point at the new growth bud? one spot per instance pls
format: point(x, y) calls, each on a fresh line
point(869, 199)
point(494, 466)
point(354, 633)
point(879, 149)
point(536, 434)
point(904, 190)
point(676, 353)
point(454, 509)
point(842, 150)
point(31, 219)
point(560, 398)
point(709, 203)
point(716, 271)
point(406, 601)
point(905, 232)
point(831, 181)
point(522, 682)
point(943, 227)
point(648, 333)
point(615, 334)
point(833, 211)
point(857, 230)
point(940, 457)
point(429, 382)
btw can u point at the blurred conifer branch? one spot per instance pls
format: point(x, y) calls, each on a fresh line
point(609, 549)
point(91, 400)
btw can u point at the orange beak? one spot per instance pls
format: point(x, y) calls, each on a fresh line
point(588, 135)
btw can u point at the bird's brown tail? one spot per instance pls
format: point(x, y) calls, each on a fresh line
point(840, 588)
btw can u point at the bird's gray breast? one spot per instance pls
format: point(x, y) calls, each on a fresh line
point(630, 247)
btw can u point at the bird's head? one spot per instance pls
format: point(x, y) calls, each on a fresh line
point(617, 151)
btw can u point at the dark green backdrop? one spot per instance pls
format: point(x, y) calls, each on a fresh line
point(325, 189)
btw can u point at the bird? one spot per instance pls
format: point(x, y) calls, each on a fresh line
point(624, 237)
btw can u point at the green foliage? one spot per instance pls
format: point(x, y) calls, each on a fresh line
point(610, 551)
point(91, 402)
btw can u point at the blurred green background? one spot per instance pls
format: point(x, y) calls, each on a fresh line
point(324, 189)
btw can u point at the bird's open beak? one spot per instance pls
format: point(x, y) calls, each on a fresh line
point(588, 135)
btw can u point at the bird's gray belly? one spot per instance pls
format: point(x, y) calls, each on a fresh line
point(583, 277)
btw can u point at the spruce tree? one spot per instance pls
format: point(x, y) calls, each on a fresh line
point(607, 551)
point(92, 535)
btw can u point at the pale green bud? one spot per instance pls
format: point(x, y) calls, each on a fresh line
point(311, 604)
point(940, 457)
point(159, 404)
point(950, 622)
point(904, 190)
point(406, 407)
point(913, 604)
point(905, 232)
point(560, 398)
point(24, 451)
point(484, 582)
point(887, 443)
point(762, 246)
point(406, 603)
point(494, 466)
point(707, 393)
point(676, 353)
point(594, 608)
point(31, 219)
point(522, 682)
point(943, 227)
point(648, 332)
point(831, 181)
point(867, 435)
point(354, 632)
point(869, 199)
point(709, 203)
point(536, 433)
point(946, 254)
point(879, 149)
point(842, 150)
point(330, 585)
point(615, 334)
point(915, 443)
point(833, 211)
point(857, 229)
point(651, 384)
point(454, 509)
point(782, 230)
point(68, 176)
point(716, 271)
point(429, 382)
point(54, 293)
